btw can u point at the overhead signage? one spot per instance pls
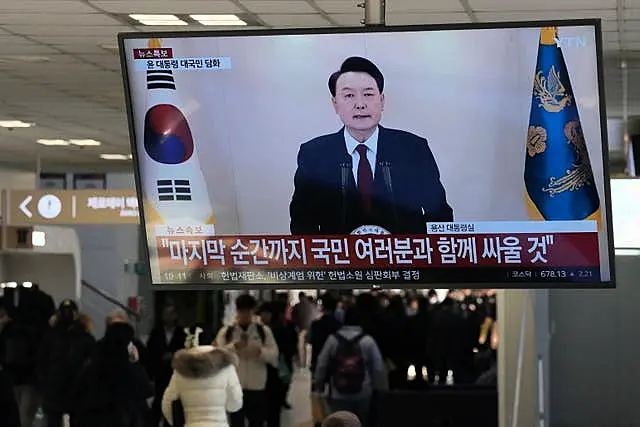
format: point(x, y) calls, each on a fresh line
point(46, 207)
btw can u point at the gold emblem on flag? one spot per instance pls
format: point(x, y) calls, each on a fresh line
point(536, 140)
point(581, 175)
point(550, 91)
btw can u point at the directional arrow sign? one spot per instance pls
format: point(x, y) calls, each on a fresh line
point(66, 207)
point(24, 206)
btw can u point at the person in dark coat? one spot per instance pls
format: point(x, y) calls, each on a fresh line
point(119, 316)
point(396, 347)
point(454, 348)
point(276, 386)
point(9, 414)
point(113, 387)
point(66, 349)
point(164, 341)
point(19, 345)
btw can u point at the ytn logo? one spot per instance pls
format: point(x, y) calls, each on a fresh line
point(570, 41)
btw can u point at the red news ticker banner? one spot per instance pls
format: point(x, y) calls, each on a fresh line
point(561, 249)
point(153, 53)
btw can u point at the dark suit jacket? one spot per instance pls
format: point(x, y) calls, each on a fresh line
point(159, 354)
point(406, 183)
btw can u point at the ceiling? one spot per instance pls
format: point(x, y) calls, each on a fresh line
point(59, 67)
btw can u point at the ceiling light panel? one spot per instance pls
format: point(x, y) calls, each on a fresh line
point(13, 124)
point(115, 156)
point(158, 20)
point(85, 142)
point(53, 142)
point(218, 20)
point(64, 142)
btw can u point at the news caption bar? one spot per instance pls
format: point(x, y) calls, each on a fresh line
point(562, 251)
point(184, 64)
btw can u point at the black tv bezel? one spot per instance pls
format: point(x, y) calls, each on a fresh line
point(594, 22)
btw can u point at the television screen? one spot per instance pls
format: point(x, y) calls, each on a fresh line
point(625, 204)
point(364, 157)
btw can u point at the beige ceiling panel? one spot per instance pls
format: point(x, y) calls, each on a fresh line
point(71, 41)
point(167, 6)
point(46, 6)
point(540, 5)
point(634, 46)
point(25, 49)
point(340, 6)
point(430, 18)
point(294, 20)
point(57, 18)
point(608, 36)
point(84, 49)
point(67, 30)
point(347, 20)
point(631, 38)
point(404, 6)
point(632, 13)
point(630, 26)
point(544, 15)
point(278, 6)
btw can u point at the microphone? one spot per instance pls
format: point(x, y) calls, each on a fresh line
point(385, 167)
point(345, 169)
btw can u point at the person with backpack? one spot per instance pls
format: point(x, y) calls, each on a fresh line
point(351, 363)
point(256, 348)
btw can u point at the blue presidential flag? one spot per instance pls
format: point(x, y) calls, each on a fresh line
point(558, 178)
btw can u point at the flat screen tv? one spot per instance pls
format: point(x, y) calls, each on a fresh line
point(424, 156)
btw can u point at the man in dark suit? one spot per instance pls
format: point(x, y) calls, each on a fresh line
point(365, 174)
point(164, 341)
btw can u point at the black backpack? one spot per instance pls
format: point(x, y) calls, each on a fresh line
point(228, 336)
point(348, 370)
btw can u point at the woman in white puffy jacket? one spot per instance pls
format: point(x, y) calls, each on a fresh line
point(206, 382)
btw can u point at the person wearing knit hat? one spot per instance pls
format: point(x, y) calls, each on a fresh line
point(342, 419)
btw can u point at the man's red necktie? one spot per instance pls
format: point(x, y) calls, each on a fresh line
point(365, 178)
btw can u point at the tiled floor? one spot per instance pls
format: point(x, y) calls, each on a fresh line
point(300, 414)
